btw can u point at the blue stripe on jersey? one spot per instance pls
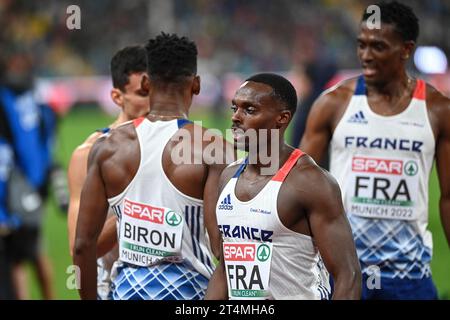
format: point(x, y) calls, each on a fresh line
point(198, 235)
point(192, 231)
point(208, 263)
point(324, 293)
point(360, 87)
point(117, 211)
point(104, 130)
point(193, 222)
point(241, 168)
point(183, 122)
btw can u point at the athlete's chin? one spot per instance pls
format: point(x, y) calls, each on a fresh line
point(241, 146)
point(372, 79)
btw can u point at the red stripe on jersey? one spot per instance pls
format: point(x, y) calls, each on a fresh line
point(284, 171)
point(138, 121)
point(419, 92)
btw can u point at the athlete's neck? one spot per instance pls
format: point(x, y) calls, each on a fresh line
point(392, 88)
point(270, 160)
point(166, 104)
point(122, 118)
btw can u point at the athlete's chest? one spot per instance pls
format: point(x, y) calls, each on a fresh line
point(363, 130)
point(247, 188)
point(270, 204)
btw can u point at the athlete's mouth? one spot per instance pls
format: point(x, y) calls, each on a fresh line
point(369, 71)
point(238, 133)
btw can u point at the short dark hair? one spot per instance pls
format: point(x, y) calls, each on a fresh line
point(171, 57)
point(401, 16)
point(283, 89)
point(126, 61)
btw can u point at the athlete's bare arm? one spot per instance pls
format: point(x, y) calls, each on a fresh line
point(209, 208)
point(110, 170)
point(76, 176)
point(323, 118)
point(211, 192)
point(319, 198)
point(93, 211)
point(217, 286)
point(108, 237)
point(440, 119)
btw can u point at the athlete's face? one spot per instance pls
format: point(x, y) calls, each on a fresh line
point(382, 53)
point(133, 99)
point(254, 107)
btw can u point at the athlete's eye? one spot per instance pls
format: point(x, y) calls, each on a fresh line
point(250, 110)
point(233, 108)
point(379, 47)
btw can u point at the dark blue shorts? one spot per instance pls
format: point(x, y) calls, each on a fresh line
point(400, 289)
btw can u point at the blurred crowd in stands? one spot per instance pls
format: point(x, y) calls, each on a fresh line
point(232, 35)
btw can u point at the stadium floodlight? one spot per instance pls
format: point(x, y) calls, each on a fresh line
point(430, 60)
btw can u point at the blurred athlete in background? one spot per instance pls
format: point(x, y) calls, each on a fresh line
point(127, 69)
point(385, 129)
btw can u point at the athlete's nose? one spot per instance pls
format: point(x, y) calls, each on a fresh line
point(365, 55)
point(236, 117)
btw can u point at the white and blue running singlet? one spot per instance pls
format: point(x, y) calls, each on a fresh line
point(263, 258)
point(164, 251)
point(382, 164)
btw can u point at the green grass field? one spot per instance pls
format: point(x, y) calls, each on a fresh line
point(80, 122)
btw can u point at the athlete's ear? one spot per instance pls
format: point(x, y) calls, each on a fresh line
point(145, 82)
point(284, 118)
point(408, 48)
point(196, 85)
point(117, 97)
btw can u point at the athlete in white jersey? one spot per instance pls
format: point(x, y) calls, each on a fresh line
point(127, 67)
point(277, 227)
point(164, 249)
point(384, 130)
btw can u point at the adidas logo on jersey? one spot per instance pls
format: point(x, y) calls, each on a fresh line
point(358, 118)
point(226, 203)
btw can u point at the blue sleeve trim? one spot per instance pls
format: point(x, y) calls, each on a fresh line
point(241, 168)
point(360, 86)
point(183, 122)
point(103, 130)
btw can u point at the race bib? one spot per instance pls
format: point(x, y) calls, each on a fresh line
point(383, 188)
point(149, 234)
point(247, 267)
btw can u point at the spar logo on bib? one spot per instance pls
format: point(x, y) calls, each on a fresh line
point(246, 252)
point(374, 165)
point(263, 252)
point(144, 212)
point(239, 252)
point(173, 219)
point(411, 168)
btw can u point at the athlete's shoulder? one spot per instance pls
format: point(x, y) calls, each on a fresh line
point(436, 99)
point(89, 142)
point(215, 149)
point(81, 152)
point(310, 178)
point(117, 139)
point(335, 98)
point(341, 91)
point(438, 106)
